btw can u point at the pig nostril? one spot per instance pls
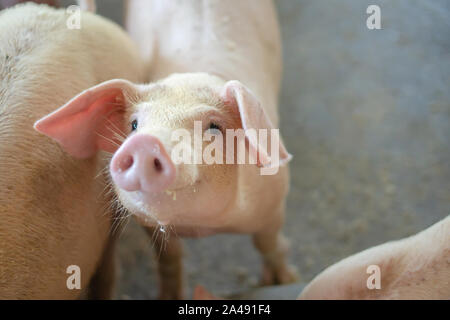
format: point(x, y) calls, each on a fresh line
point(125, 164)
point(158, 165)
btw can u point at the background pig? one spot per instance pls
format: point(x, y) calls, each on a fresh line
point(221, 65)
point(53, 209)
point(417, 267)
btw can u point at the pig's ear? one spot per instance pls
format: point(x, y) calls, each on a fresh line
point(91, 121)
point(253, 116)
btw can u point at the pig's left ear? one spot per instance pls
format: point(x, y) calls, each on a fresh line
point(253, 116)
point(91, 121)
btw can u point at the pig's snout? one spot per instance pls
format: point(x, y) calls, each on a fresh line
point(142, 164)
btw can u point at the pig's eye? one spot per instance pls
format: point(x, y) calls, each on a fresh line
point(134, 125)
point(213, 126)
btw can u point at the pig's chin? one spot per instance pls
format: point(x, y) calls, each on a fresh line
point(163, 208)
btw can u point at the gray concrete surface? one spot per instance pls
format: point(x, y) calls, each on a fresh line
point(366, 115)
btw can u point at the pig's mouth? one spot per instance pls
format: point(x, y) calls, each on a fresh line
point(161, 207)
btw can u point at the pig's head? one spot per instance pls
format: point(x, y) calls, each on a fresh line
point(149, 130)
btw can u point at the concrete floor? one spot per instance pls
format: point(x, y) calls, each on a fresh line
point(366, 115)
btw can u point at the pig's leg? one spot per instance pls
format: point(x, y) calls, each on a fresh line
point(273, 247)
point(103, 283)
point(169, 252)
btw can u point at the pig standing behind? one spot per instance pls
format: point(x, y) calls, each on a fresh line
point(52, 209)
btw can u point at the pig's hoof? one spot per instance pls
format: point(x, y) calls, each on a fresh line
point(171, 291)
point(279, 275)
point(170, 295)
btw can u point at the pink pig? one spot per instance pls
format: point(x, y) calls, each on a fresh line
point(220, 64)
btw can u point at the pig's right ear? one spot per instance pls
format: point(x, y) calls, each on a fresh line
point(91, 121)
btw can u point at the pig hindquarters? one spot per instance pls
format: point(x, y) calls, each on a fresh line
point(52, 207)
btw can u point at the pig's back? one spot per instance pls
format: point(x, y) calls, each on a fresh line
point(51, 207)
point(236, 40)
